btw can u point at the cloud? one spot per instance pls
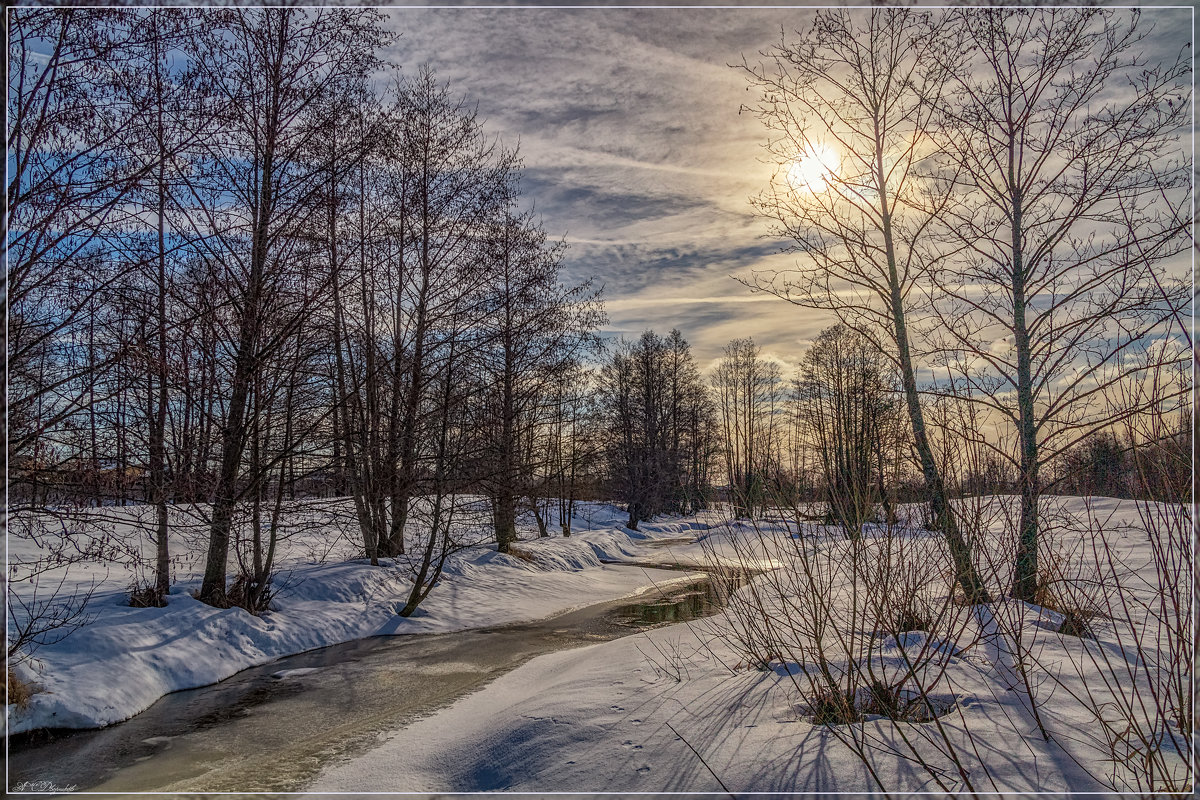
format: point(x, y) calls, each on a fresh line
point(602, 209)
point(628, 122)
point(672, 268)
point(628, 303)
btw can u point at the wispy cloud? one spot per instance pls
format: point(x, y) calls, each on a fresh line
point(634, 149)
point(629, 124)
point(627, 303)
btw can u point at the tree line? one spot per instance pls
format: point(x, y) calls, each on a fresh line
point(250, 260)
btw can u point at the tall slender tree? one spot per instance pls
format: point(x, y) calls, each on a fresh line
point(457, 181)
point(268, 67)
point(749, 395)
point(536, 329)
point(1068, 148)
point(849, 106)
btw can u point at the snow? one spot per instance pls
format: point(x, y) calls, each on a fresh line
point(688, 707)
point(679, 709)
point(126, 658)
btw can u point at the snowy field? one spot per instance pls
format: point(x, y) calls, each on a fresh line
point(999, 697)
point(126, 658)
point(684, 708)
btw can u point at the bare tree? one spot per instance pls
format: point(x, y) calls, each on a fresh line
point(268, 67)
point(82, 152)
point(572, 443)
point(1066, 150)
point(536, 330)
point(749, 392)
point(364, 232)
point(168, 125)
point(456, 180)
point(441, 503)
point(694, 444)
point(849, 105)
point(845, 393)
point(69, 176)
point(657, 420)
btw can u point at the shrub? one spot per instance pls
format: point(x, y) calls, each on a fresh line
point(145, 595)
point(19, 692)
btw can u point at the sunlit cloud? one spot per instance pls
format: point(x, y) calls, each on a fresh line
point(636, 153)
point(657, 302)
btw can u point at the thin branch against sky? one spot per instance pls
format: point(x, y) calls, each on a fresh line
point(628, 122)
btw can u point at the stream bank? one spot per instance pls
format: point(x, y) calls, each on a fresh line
point(271, 728)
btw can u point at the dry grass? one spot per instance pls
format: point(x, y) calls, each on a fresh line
point(18, 692)
point(833, 708)
point(524, 555)
point(145, 596)
point(911, 619)
point(1069, 599)
point(876, 700)
point(1071, 582)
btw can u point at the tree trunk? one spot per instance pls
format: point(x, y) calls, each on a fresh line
point(960, 552)
point(158, 430)
point(505, 515)
point(1025, 575)
point(233, 434)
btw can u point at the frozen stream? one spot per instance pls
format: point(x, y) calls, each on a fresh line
point(271, 728)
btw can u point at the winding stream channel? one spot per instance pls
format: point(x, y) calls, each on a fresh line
point(272, 728)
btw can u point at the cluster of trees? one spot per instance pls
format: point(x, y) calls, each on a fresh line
point(1110, 464)
point(658, 423)
point(248, 262)
point(846, 402)
point(246, 257)
point(1011, 193)
point(749, 392)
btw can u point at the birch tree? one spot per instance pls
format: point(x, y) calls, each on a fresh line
point(849, 105)
point(1066, 147)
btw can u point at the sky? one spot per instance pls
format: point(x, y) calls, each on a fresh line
point(635, 151)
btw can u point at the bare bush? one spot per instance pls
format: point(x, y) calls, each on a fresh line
point(864, 628)
point(1131, 587)
point(45, 601)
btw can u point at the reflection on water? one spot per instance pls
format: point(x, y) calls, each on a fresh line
point(683, 603)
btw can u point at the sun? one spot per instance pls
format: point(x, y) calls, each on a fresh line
point(813, 168)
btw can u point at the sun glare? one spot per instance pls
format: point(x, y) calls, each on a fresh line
point(813, 169)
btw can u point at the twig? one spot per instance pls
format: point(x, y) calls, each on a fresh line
point(702, 761)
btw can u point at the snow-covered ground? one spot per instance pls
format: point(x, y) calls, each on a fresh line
point(683, 708)
point(731, 702)
point(125, 658)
